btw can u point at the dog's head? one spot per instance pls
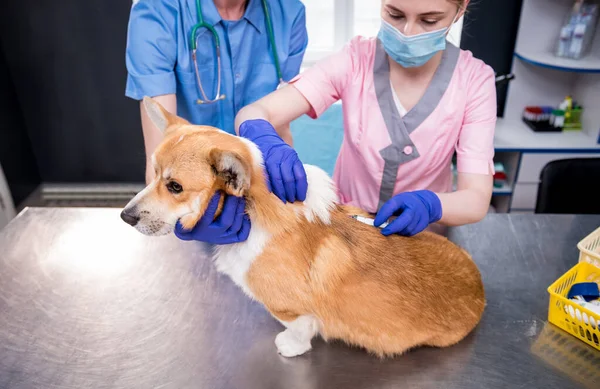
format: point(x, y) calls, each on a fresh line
point(190, 165)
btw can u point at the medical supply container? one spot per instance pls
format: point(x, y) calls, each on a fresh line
point(577, 33)
point(567, 314)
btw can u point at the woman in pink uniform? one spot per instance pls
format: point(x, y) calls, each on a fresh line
point(410, 100)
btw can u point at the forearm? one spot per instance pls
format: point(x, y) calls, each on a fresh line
point(152, 138)
point(252, 112)
point(462, 207)
point(469, 204)
point(279, 108)
point(285, 133)
point(256, 111)
point(152, 135)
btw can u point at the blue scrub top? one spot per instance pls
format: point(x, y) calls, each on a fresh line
point(159, 60)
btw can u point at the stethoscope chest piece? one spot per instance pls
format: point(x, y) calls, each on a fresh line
point(200, 101)
point(281, 84)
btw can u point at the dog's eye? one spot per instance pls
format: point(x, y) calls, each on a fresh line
point(174, 187)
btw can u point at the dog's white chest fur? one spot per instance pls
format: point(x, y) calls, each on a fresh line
point(235, 260)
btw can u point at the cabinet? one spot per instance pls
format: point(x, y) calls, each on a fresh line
point(541, 78)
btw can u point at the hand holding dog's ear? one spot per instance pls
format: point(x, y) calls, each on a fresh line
point(286, 175)
point(232, 225)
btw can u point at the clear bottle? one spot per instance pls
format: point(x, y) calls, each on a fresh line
point(564, 41)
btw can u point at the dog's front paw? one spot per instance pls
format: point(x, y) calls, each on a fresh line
point(289, 345)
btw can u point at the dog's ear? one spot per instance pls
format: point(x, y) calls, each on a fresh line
point(160, 117)
point(232, 170)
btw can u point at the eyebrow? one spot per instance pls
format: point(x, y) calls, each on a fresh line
point(430, 13)
point(166, 174)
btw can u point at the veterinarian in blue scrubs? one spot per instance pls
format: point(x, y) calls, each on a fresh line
point(261, 45)
point(159, 56)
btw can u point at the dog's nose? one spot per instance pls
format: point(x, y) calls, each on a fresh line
point(129, 218)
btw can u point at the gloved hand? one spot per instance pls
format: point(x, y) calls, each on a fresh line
point(232, 225)
point(416, 211)
point(285, 174)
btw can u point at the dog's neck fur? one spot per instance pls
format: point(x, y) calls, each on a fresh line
point(267, 210)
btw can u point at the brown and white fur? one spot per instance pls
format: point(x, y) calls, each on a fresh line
point(314, 268)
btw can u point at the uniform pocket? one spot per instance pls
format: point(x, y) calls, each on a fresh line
point(185, 77)
point(188, 84)
point(188, 94)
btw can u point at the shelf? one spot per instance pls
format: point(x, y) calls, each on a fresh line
point(505, 190)
point(517, 136)
point(588, 64)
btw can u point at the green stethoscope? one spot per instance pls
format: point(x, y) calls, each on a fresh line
point(202, 24)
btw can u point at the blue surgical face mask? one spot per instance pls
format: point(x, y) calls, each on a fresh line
point(412, 51)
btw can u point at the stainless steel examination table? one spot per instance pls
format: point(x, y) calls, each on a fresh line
point(88, 302)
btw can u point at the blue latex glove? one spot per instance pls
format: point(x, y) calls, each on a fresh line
point(232, 225)
point(285, 174)
point(415, 211)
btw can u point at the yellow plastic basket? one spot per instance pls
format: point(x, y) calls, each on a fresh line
point(568, 315)
point(589, 248)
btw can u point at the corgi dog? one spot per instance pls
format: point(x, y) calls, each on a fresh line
point(314, 267)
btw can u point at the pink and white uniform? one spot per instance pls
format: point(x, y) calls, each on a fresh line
point(387, 150)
